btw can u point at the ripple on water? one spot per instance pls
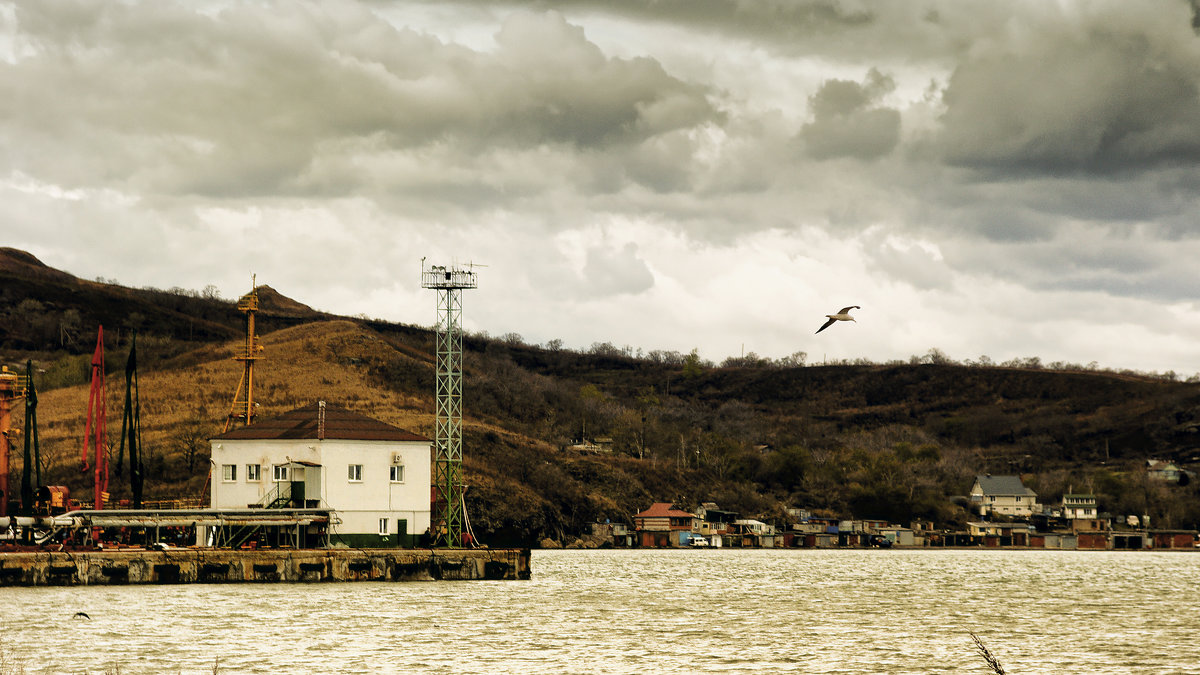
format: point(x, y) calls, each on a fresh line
point(718, 611)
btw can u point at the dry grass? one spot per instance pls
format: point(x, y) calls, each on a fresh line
point(991, 660)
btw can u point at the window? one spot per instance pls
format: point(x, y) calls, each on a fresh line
point(253, 473)
point(396, 473)
point(383, 526)
point(279, 473)
point(355, 473)
point(229, 472)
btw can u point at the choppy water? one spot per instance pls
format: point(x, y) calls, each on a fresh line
point(707, 611)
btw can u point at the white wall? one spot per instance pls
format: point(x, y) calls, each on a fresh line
point(360, 505)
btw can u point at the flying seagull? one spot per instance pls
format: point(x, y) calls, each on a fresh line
point(842, 315)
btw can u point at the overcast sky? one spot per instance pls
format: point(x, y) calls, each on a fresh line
point(1009, 179)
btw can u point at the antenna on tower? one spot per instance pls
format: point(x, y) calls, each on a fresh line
point(448, 506)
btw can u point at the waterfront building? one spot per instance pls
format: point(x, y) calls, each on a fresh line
point(663, 525)
point(1005, 495)
point(1081, 506)
point(375, 476)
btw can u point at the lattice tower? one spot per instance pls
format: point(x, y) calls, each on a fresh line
point(448, 516)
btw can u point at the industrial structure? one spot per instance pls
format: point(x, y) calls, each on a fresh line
point(13, 387)
point(449, 511)
point(243, 404)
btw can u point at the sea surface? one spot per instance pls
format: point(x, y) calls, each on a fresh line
point(646, 611)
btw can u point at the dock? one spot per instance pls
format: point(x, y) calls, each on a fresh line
point(221, 566)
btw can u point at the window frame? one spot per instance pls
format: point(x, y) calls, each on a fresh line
point(394, 471)
point(229, 473)
point(383, 527)
point(279, 473)
point(254, 473)
point(354, 473)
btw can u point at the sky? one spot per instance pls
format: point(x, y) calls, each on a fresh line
point(1004, 180)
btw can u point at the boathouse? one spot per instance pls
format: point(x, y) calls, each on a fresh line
point(374, 476)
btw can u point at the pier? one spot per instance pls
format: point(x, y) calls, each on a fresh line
point(218, 566)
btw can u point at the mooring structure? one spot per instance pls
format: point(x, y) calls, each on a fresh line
point(448, 508)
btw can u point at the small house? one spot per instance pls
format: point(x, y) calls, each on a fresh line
point(663, 525)
point(1081, 506)
point(1166, 472)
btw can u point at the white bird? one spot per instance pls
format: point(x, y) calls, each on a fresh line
point(842, 315)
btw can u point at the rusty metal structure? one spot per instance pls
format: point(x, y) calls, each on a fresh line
point(448, 504)
point(131, 428)
point(13, 387)
point(94, 431)
point(242, 408)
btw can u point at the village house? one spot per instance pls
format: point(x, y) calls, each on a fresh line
point(617, 534)
point(1005, 495)
point(715, 524)
point(1081, 506)
point(753, 533)
point(1167, 472)
point(662, 525)
point(375, 476)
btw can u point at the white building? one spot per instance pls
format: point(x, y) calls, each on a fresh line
point(1079, 506)
point(374, 475)
point(1005, 495)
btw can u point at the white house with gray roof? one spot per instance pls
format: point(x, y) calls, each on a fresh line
point(1005, 495)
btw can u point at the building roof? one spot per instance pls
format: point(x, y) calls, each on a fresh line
point(664, 510)
point(1159, 465)
point(306, 424)
point(1003, 485)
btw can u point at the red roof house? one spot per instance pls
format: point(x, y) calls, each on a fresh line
point(658, 525)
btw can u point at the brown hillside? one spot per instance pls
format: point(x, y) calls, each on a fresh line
point(272, 301)
point(192, 394)
point(22, 264)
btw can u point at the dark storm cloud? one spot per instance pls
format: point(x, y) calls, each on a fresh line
point(252, 100)
point(1095, 88)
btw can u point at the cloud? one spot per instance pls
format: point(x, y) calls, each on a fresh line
point(251, 100)
point(847, 122)
point(1094, 88)
point(616, 271)
point(1000, 178)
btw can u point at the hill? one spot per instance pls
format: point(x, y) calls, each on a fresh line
point(894, 441)
point(44, 311)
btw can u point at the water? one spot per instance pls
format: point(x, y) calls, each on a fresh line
point(644, 611)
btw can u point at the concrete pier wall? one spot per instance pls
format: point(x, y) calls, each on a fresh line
point(184, 566)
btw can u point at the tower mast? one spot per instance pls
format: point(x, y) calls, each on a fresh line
point(448, 516)
point(243, 398)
